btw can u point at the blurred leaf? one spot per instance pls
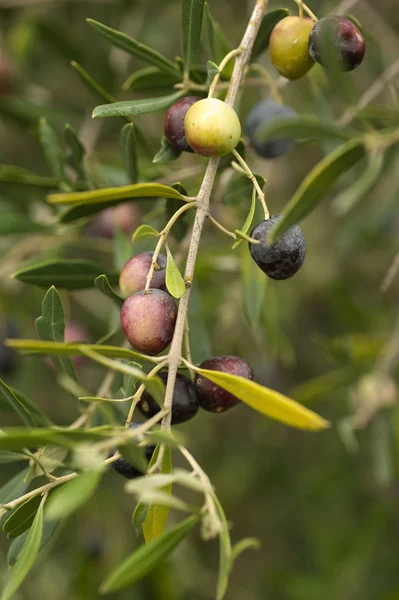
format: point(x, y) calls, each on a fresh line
point(18, 438)
point(72, 274)
point(151, 78)
point(27, 556)
point(138, 190)
point(122, 249)
point(253, 287)
point(164, 437)
point(180, 227)
point(50, 327)
point(154, 482)
point(22, 517)
point(25, 113)
point(9, 457)
point(51, 148)
point(11, 174)
point(224, 553)
point(212, 70)
point(216, 43)
point(383, 452)
point(36, 346)
point(123, 41)
point(242, 546)
point(58, 36)
point(129, 151)
point(319, 387)
point(174, 280)
point(155, 521)
point(101, 283)
point(239, 189)
point(166, 153)
point(317, 183)
point(91, 84)
point(50, 458)
point(154, 385)
point(269, 402)
point(130, 382)
point(191, 25)
point(17, 544)
point(144, 231)
point(303, 127)
point(15, 487)
point(147, 557)
point(345, 201)
point(248, 221)
point(27, 411)
point(127, 108)
point(76, 149)
point(269, 22)
point(72, 495)
point(134, 455)
point(200, 342)
point(14, 223)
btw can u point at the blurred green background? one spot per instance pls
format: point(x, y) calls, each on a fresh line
point(324, 506)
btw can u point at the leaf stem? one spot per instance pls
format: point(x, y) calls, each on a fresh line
point(220, 226)
point(303, 7)
point(222, 65)
point(256, 185)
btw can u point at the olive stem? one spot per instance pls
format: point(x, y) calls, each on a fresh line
point(304, 7)
point(220, 226)
point(256, 185)
point(203, 201)
point(225, 61)
point(139, 393)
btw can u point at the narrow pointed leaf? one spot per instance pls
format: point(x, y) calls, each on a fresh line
point(129, 151)
point(212, 70)
point(269, 402)
point(10, 457)
point(174, 280)
point(127, 108)
point(101, 283)
point(50, 327)
point(17, 544)
point(27, 556)
point(15, 487)
point(151, 78)
point(143, 232)
point(269, 22)
point(248, 221)
point(22, 517)
point(18, 175)
point(17, 439)
point(155, 521)
point(14, 223)
point(303, 127)
point(137, 190)
point(317, 183)
point(216, 43)
point(166, 153)
point(51, 148)
point(91, 83)
point(224, 553)
point(191, 25)
point(147, 557)
point(71, 274)
point(28, 412)
point(253, 287)
point(123, 41)
point(72, 495)
point(76, 150)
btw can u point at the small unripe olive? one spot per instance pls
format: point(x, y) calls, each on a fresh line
point(289, 47)
point(134, 274)
point(124, 468)
point(212, 397)
point(148, 320)
point(261, 115)
point(184, 404)
point(212, 127)
point(174, 123)
point(284, 257)
point(337, 43)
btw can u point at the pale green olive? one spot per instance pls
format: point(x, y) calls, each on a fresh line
point(289, 47)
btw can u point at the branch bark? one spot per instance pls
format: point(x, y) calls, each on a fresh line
point(203, 201)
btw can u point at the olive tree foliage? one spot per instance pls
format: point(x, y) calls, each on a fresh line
point(73, 459)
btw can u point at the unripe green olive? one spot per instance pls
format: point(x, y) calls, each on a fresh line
point(212, 127)
point(289, 47)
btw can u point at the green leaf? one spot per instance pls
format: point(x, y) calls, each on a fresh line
point(267, 25)
point(123, 41)
point(22, 517)
point(67, 498)
point(127, 108)
point(319, 387)
point(27, 556)
point(39, 347)
point(18, 438)
point(129, 151)
point(268, 402)
point(10, 457)
point(73, 274)
point(150, 78)
point(155, 521)
point(51, 149)
point(144, 231)
point(50, 327)
point(191, 25)
point(13, 223)
point(212, 70)
point(134, 455)
point(18, 543)
point(18, 175)
point(303, 127)
point(91, 84)
point(137, 190)
point(200, 342)
point(317, 183)
point(28, 412)
point(180, 227)
point(15, 487)
point(76, 150)
point(101, 283)
point(147, 557)
point(242, 546)
point(224, 553)
point(240, 188)
point(345, 201)
point(166, 153)
point(248, 220)
point(174, 280)
point(122, 249)
point(216, 43)
point(253, 287)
